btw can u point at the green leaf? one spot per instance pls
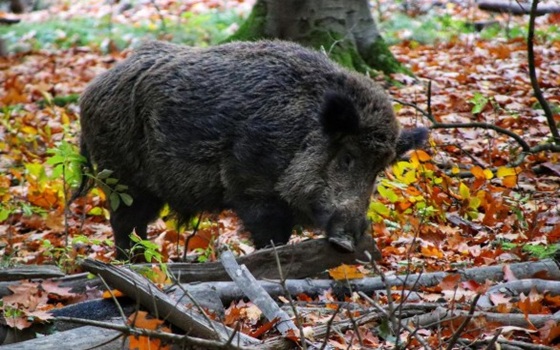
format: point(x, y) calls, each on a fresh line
point(57, 171)
point(121, 188)
point(103, 174)
point(479, 102)
point(114, 201)
point(36, 170)
point(111, 181)
point(126, 198)
point(56, 159)
point(380, 208)
point(96, 211)
point(4, 214)
point(387, 193)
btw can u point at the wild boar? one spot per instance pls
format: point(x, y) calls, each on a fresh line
point(275, 131)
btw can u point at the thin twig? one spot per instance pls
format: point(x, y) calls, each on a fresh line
point(187, 240)
point(329, 325)
point(299, 322)
point(466, 321)
point(174, 338)
point(379, 308)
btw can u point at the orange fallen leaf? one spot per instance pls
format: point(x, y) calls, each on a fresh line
point(345, 272)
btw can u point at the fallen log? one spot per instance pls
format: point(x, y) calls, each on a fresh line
point(229, 291)
point(516, 7)
point(88, 337)
point(29, 271)
point(301, 260)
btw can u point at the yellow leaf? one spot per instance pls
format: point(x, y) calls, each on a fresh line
point(397, 170)
point(464, 191)
point(410, 177)
point(488, 174)
point(64, 118)
point(474, 202)
point(455, 170)
point(345, 272)
point(28, 130)
point(47, 96)
point(505, 171)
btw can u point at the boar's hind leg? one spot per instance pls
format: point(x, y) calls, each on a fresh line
point(143, 210)
point(266, 220)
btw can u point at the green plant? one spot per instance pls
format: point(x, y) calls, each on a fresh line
point(479, 101)
point(150, 251)
point(204, 254)
point(67, 163)
point(61, 256)
point(115, 192)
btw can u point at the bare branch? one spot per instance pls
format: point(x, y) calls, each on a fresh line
point(533, 75)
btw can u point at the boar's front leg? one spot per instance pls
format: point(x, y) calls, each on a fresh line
point(143, 210)
point(267, 220)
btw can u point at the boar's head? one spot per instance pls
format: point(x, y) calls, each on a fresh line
point(331, 180)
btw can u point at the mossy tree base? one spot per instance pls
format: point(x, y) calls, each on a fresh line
point(353, 41)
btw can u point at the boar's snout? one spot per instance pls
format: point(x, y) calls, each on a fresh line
point(344, 233)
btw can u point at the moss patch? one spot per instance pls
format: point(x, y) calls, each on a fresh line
point(336, 45)
point(254, 26)
point(338, 49)
point(381, 58)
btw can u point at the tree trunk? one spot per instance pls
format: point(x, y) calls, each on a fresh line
point(345, 30)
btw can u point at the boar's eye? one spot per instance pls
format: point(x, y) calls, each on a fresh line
point(347, 160)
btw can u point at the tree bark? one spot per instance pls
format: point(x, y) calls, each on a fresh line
point(345, 30)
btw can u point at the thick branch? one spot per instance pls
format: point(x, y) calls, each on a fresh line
point(522, 143)
point(158, 303)
point(257, 294)
point(533, 75)
point(515, 7)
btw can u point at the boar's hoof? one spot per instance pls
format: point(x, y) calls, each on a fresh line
point(343, 243)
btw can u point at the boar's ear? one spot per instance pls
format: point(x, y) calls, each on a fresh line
point(338, 115)
point(411, 139)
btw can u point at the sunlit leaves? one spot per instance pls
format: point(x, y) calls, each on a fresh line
point(508, 176)
point(67, 162)
point(482, 174)
point(345, 272)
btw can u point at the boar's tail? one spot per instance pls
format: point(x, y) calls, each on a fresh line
point(86, 182)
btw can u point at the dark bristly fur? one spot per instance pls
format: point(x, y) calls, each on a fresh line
point(273, 130)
